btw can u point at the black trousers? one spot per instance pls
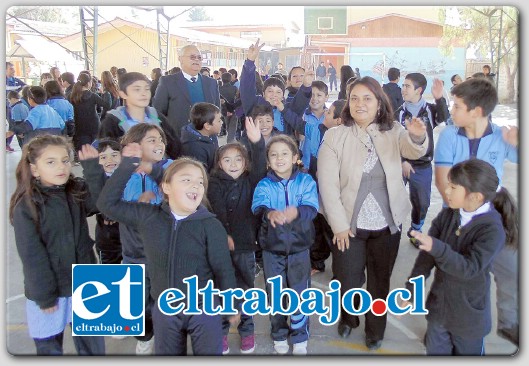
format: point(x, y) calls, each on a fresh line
point(321, 248)
point(375, 251)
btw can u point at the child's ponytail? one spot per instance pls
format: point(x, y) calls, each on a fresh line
point(505, 204)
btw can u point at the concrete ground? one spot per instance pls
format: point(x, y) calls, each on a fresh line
point(403, 335)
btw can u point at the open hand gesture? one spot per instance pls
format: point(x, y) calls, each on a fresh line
point(254, 49)
point(308, 77)
point(416, 128)
point(88, 152)
point(510, 135)
point(132, 150)
point(437, 88)
point(253, 130)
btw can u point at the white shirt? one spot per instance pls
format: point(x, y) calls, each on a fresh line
point(188, 77)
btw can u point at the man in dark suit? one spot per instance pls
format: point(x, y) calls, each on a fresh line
point(177, 93)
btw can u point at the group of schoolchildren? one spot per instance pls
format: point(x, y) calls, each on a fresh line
point(189, 207)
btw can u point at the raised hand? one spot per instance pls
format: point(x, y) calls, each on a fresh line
point(510, 135)
point(308, 77)
point(252, 130)
point(87, 152)
point(253, 50)
point(437, 88)
point(132, 150)
point(416, 128)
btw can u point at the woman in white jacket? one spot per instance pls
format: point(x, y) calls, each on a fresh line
point(363, 195)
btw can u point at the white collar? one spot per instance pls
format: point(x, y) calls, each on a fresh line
point(466, 217)
point(188, 77)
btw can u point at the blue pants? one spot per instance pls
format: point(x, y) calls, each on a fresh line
point(244, 265)
point(440, 342)
point(295, 271)
point(420, 192)
point(84, 345)
point(171, 334)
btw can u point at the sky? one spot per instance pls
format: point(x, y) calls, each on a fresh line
point(254, 14)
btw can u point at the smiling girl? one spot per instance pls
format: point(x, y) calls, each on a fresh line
point(230, 193)
point(461, 244)
point(185, 239)
point(287, 201)
point(46, 194)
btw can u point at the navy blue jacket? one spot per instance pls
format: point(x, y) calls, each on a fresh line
point(231, 200)
point(195, 245)
point(58, 238)
point(249, 97)
point(459, 297)
point(198, 146)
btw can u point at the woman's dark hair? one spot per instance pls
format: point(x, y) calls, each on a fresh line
point(477, 175)
point(384, 118)
point(77, 91)
point(53, 89)
point(235, 146)
point(26, 183)
point(157, 72)
point(346, 72)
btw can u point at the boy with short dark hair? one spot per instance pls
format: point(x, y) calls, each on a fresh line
point(41, 118)
point(475, 136)
point(273, 91)
point(199, 137)
point(18, 111)
point(418, 172)
point(307, 125)
point(135, 88)
point(392, 89)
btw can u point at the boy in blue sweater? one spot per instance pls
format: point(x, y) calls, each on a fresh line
point(474, 136)
point(41, 118)
point(273, 91)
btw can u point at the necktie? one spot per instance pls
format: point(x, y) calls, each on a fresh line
point(193, 79)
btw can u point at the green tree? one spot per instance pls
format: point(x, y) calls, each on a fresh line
point(198, 13)
point(492, 31)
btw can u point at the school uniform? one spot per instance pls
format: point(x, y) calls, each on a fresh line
point(47, 252)
point(421, 180)
point(231, 201)
point(459, 314)
point(178, 248)
point(198, 146)
point(286, 247)
point(118, 121)
point(65, 109)
point(41, 119)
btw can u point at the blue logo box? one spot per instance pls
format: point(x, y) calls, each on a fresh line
point(108, 299)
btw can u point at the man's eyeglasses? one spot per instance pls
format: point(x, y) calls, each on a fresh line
point(195, 57)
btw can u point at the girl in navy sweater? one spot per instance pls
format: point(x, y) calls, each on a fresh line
point(47, 194)
point(461, 244)
point(182, 239)
point(230, 193)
